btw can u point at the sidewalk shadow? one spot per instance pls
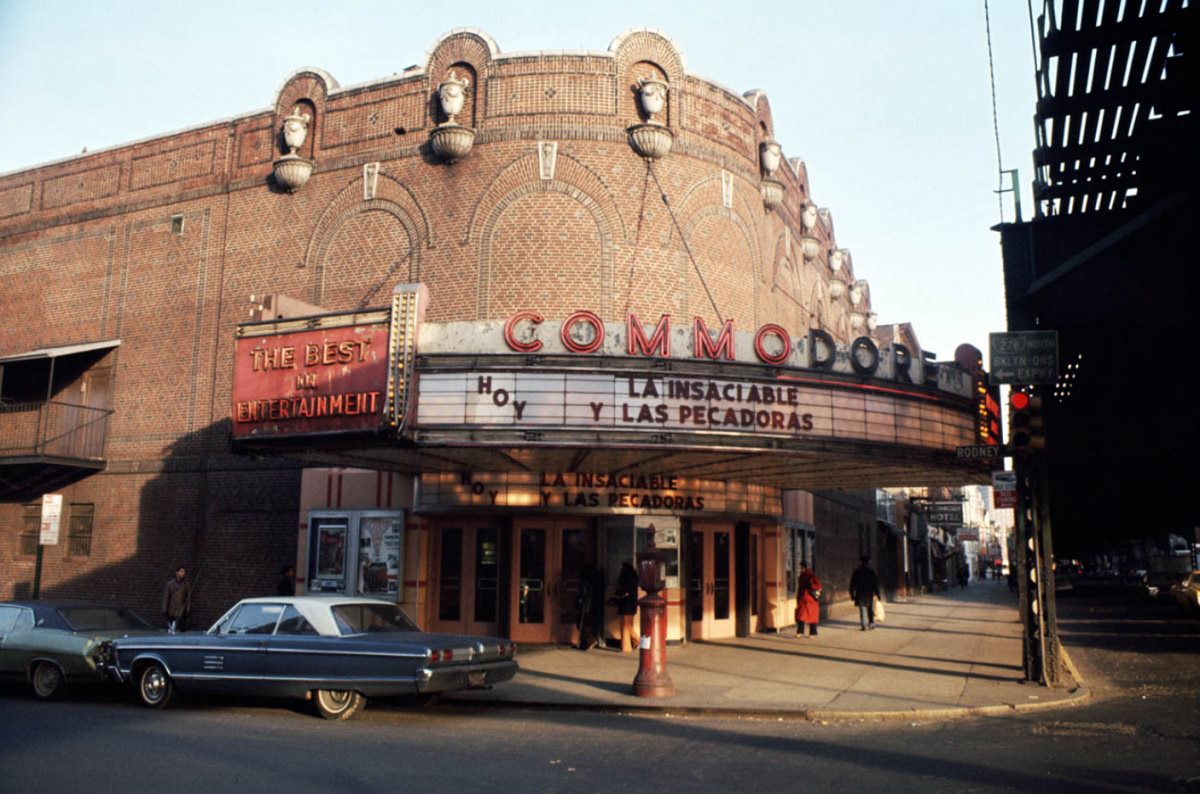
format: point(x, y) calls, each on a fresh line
point(908, 668)
point(605, 686)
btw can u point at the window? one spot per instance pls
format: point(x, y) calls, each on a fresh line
point(8, 618)
point(293, 622)
point(362, 618)
point(31, 527)
point(255, 619)
point(79, 531)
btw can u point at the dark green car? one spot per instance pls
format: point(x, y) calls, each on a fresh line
point(55, 644)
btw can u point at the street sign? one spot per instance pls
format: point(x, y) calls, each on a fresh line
point(1004, 489)
point(945, 514)
point(51, 516)
point(980, 452)
point(1023, 357)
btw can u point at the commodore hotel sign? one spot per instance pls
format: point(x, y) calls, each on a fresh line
point(612, 384)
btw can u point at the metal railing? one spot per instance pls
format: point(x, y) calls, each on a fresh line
point(53, 428)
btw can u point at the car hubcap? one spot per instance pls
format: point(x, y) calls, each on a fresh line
point(46, 679)
point(337, 701)
point(152, 685)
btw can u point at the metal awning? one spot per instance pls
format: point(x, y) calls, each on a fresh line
point(60, 351)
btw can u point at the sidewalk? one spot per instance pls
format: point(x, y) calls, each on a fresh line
point(937, 656)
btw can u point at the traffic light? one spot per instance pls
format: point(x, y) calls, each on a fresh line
point(1027, 424)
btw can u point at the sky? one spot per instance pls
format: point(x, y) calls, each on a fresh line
point(888, 103)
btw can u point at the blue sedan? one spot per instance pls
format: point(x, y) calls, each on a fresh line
point(336, 651)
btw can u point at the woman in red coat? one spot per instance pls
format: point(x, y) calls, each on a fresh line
point(808, 606)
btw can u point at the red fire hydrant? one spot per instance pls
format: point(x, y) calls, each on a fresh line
point(652, 679)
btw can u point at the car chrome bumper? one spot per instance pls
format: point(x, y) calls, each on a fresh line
point(469, 676)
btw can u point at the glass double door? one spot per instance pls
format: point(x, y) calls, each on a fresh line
point(549, 561)
point(467, 589)
point(711, 572)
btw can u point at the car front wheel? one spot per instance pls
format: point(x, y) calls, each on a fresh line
point(154, 686)
point(338, 704)
point(48, 681)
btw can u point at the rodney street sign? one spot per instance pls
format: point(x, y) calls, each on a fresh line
point(1023, 357)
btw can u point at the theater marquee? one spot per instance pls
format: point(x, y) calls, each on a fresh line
point(801, 389)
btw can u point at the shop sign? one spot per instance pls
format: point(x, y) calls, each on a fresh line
point(594, 492)
point(290, 379)
point(946, 514)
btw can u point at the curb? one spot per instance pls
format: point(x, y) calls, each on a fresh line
point(1077, 697)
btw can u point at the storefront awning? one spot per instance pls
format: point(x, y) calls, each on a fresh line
point(60, 351)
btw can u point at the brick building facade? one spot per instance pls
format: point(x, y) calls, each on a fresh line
point(158, 249)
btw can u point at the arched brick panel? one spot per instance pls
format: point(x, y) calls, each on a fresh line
point(394, 200)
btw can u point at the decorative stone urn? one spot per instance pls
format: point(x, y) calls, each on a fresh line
point(837, 258)
point(450, 140)
point(452, 93)
point(872, 321)
point(772, 193)
point(808, 217)
point(291, 170)
point(811, 248)
point(837, 289)
point(652, 93)
point(651, 139)
point(856, 292)
point(858, 321)
point(770, 155)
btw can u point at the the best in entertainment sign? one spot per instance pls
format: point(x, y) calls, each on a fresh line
point(291, 379)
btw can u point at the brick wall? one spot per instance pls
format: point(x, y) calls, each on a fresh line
point(89, 250)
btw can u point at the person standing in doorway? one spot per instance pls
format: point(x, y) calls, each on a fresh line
point(586, 604)
point(287, 581)
point(177, 601)
point(627, 598)
point(808, 602)
point(864, 589)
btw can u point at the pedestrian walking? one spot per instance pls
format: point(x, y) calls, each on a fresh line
point(177, 601)
point(808, 602)
point(864, 589)
point(627, 598)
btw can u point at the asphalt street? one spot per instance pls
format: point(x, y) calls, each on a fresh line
point(1139, 731)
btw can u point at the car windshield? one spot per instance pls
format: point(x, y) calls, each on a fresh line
point(362, 618)
point(101, 619)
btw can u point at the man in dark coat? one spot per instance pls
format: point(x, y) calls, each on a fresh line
point(177, 601)
point(864, 589)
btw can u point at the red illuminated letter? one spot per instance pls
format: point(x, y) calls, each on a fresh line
point(511, 338)
point(582, 317)
point(703, 345)
point(638, 345)
point(778, 358)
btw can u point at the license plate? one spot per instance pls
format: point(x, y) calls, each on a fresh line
point(477, 678)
